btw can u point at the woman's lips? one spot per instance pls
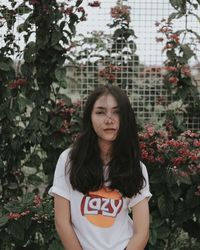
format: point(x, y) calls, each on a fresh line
point(109, 129)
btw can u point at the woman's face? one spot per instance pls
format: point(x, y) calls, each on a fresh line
point(105, 119)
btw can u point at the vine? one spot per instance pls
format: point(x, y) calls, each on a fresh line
point(180, 48)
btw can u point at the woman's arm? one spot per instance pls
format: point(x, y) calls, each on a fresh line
point(141, 226)
point(63, 224)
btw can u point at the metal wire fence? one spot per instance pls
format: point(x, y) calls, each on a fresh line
point(140, 63)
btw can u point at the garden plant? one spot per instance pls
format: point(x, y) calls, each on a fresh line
point(38, 120)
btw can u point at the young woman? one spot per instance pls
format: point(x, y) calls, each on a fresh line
point(100, 179)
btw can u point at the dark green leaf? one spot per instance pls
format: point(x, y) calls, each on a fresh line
point(173, 15)
point(28, 198)
point(4, 66)
point(56, 122)
point(1, 163)
point(30, 52)
point(12, 186)
point(3, 220)
point(78, 2)
point(34, 180)
point(26, 221)
point(56, 37)
point(165, 205)
point(27, 70)
point(171, 55)
point(157, 222)
point(55, 245)
point(35, 160)
point(23, 9)
point(192, 200)
point(72, 28)
point(22, 103)
point(153, 236)
point(187, 51)
point(20, 28)
point(60, 74)
point(16, 230)
point(163, 232)
point(183, 179)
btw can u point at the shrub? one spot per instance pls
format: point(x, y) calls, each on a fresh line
point(174, 169)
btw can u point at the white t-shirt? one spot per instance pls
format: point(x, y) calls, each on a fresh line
point(100, 219)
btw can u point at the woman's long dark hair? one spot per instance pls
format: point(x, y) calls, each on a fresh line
point(86, 166)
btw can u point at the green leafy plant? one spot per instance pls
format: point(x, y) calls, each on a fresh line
point(28, 223)
point(180, 48)
point(173, 165)
point(31, 92)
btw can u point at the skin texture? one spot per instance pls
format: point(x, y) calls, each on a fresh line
point(63, 224)
point(140, 213)
point(105, 120)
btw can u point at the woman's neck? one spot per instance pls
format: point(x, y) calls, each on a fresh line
point(105, 152)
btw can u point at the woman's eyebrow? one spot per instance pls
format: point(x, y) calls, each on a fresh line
point(104, 108)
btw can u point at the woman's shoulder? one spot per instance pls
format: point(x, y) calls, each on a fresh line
point(65, 153)
point(64, 157)
point(144, 169)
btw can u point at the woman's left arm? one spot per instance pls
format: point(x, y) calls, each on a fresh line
point(140, 214)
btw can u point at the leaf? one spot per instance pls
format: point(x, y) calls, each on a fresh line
point(192, 200)
point(157, 221)
point(78, 2)
point(163, 232)
point(184, 179)
point(175, 192)
point(1, 163)
point(16, 230)
point(12, 186)
point(22, 103)
point(28, 198)
point(165, 205)
point(29, 52)
point(4, 66)
point(20, 28)
point(23, 9)
point(27, 69)
point(73, 18)
point(171, 55)
point(156, 177)
point(3, 220)
point(132, 46)
point(55, 245)
point(26, 221)
point(117, 33)
point(34, 180)
point(187, 51)
point(153, 236)
point(72, 28)
point(176, 4)
point(172, 16)
point(34, 123)
point(60, 74)
point(56, 37)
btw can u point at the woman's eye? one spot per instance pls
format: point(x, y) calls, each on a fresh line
point(100, 112)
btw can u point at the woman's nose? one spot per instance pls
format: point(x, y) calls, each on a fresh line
point(109, 119)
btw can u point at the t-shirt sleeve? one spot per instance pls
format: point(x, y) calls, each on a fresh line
point(144, 192)
point(61, 184)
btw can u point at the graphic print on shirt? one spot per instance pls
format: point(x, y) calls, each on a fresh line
point(101, 207)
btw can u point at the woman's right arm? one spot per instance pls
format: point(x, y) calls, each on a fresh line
point(63, 224)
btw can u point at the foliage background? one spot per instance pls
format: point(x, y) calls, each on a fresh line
point(39, 120)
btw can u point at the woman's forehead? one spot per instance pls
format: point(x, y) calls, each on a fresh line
point(106, 101)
